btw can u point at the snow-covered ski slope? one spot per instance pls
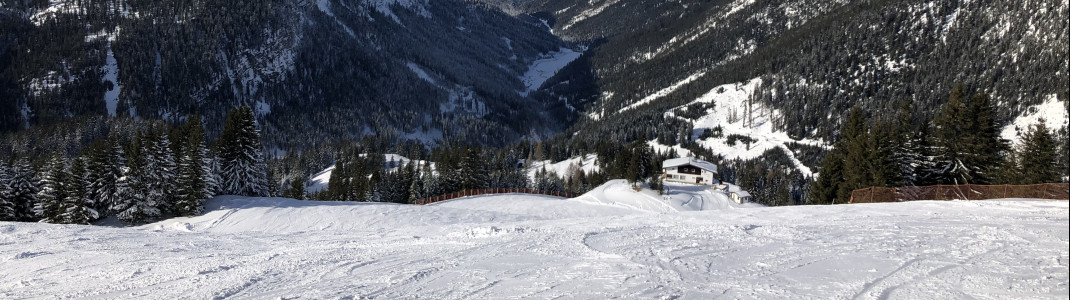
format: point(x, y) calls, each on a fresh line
point(523, 246)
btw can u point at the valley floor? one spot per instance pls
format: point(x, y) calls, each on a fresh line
point(520, 246)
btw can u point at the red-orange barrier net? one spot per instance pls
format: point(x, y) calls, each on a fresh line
point(1054, 191)
point(467, 193)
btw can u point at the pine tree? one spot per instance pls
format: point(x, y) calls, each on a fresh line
point(1039, 156)
point(948, 162)
point(431, 182)
point(104, 168)
point(296, 189)
point(416, 188)
point(133, 205)
point(191, 182)
point(1064, 153)
point(8, 209)
point(75, 208)
point(984, 146)
point(857, 157)
point(827, 186)
point(158, 174)
point(930, 170)
point(473, 169)
point(212, 181)
point(52, 192)
point(881, 165)
point(24, 188)
point(241, 155)
point(906, 156)
point(966, 143)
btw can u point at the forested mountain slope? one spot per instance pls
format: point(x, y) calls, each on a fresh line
point(314, 70)
point(816, 59)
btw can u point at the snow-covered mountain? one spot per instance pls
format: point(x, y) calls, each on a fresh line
point(804, 64)
point(320, 69)
point(611, 243)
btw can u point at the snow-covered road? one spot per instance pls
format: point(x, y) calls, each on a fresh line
point(522, 246)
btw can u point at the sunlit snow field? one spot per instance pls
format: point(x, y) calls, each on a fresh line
point(612, 242)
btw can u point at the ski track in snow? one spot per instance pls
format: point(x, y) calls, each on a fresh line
point(609, 243)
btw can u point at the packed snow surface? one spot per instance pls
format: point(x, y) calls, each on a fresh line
point(602, 245)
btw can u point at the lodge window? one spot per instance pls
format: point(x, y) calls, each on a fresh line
point(690, 170)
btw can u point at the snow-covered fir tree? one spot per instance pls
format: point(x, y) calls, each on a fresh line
point(8, 209)
point(24, 187)
point(212, 181)
point(241, 155)
point(416, 188)
point(133, 206)
point(192, 181)
point(431, 184)
point(104, 168)
point(1038, 157)
point(75, 208)
point(52, 192)
point(158, 172)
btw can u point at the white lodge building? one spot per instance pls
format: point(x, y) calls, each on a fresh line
point(689, 170)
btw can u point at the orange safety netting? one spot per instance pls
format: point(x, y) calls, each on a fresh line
point(466, 193)
point(1055, 191)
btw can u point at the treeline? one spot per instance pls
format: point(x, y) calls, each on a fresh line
point(315, 76)
point(960, 145)
point(162, 170)
point(363, 172)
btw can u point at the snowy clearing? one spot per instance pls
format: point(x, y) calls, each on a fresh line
point(391, 162)
point(562, 169)
point(664, 92)
point(601, 245)
point(1052, 111)
point(736, 114)
point(545, 67)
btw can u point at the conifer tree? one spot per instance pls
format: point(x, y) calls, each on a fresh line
point(431, 182)
point(948, 163)
point(191, 183)
point(103, 170)
point(75, 208)
point(52, 192)
point(905, 153)
point(857, 157)
point(882, 145)
point(827, 187)
point(8, 208)
point(1064, 152)
point(133, 205)
point(159, 170)
point(24, 188)
point(473, 169)
point(416, 188)
point(1039, 156)
point(212, 182)
point(983, 145)
point(296, 189)
point(241, 155)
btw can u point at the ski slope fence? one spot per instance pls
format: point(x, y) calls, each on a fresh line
point(1054, 191)
point(492, 191)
